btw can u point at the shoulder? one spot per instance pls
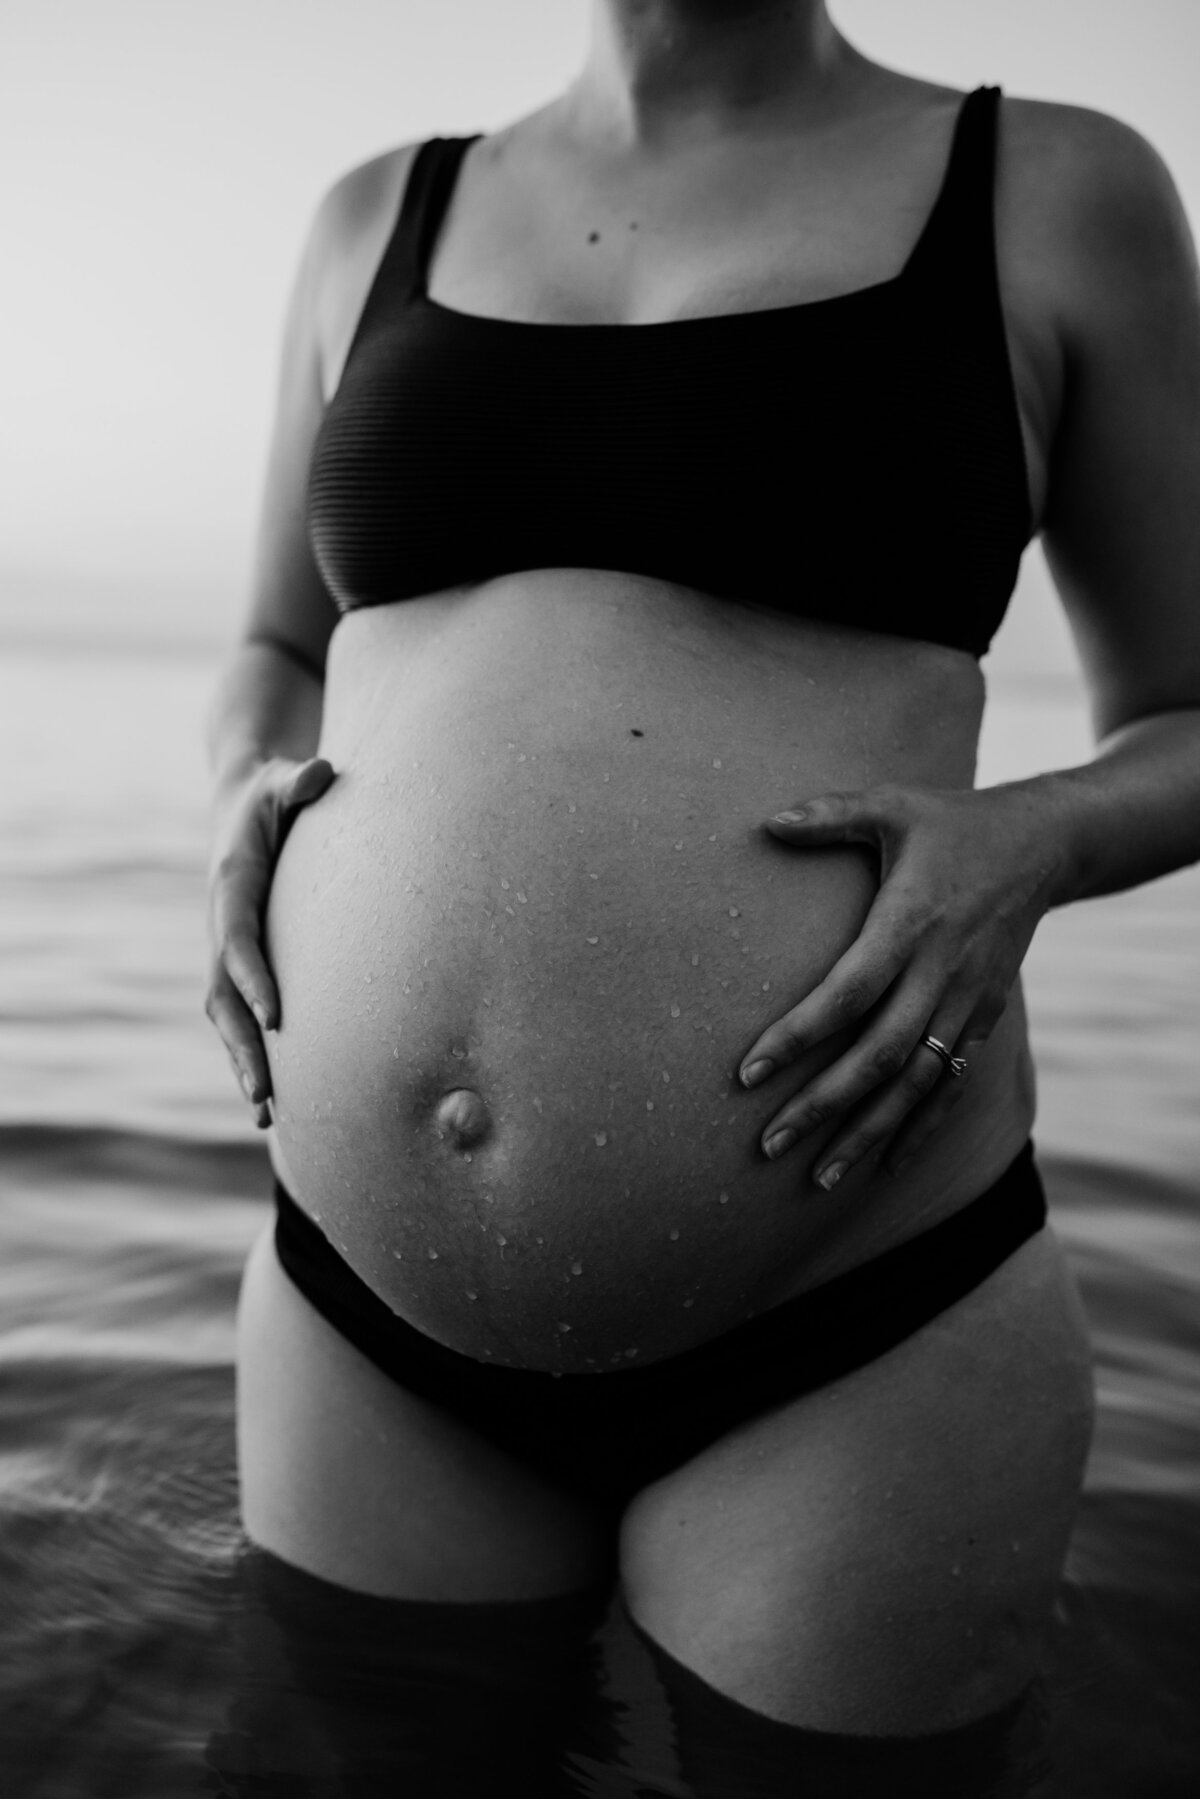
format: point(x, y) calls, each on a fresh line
point(1100, 213)
point(360, 203)
point(1097, 173)
point(347, 236)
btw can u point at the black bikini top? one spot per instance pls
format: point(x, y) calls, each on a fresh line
point(857, 459)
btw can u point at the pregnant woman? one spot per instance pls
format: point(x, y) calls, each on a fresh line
point(605, 920)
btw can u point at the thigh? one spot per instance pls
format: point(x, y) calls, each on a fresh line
point(881, 1556)
point(349, 1477)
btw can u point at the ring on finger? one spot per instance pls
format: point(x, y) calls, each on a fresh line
point(955, 1066)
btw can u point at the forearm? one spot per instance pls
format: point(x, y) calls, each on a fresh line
point(1129, 815)
point(266, 704)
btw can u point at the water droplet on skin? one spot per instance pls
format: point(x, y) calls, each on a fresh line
point(522, 900)
point(716, 762)
point(562, 1327)
point(576, 1267)
point(601, 1139)
point(766, 986)
point(501, 1239)
point(666, 1078)
point(630, 1353)
point(522, 758)
point(539, 1239)
point(399, 1254)
point(458, 1052)
point(674, 1236)
point(674, 1011)
point(723, 1199)
point(571, 807)
point(593, 940)
point(678, 846)
point(469, 1293)
point(649, 1105)
point(506, 885)
point(433, 1255)
point(734, 913)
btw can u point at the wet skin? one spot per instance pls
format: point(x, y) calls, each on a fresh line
point(525, 939)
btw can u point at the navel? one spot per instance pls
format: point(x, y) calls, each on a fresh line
point(463, 1117)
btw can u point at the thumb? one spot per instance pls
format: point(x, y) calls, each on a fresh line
point(308, 783)
point(829, 818)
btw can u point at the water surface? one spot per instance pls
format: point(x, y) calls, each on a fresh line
point(145, 1653)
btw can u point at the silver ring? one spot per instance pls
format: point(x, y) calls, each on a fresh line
point(955, 1066)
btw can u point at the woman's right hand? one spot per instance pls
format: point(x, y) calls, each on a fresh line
point(253, 819)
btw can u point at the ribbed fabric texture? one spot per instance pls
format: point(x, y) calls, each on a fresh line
point(857, 459)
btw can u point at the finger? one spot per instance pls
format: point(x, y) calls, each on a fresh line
point(240, 1035)
point(239, 894)
point(859, 817)
point(925, 1119)
point(924, 1081)
point(853, 985)
point(308, 783)
point(882, 1057)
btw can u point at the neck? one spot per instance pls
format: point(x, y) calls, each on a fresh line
point(656, 68)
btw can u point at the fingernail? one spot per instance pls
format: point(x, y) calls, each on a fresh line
point(777, 1145)
point(790, 818)
point(829, 1177)
point(754, 1072)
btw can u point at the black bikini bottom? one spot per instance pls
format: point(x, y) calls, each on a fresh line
point(605, 1436)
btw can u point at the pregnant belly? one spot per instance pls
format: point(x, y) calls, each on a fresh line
point(522, 945)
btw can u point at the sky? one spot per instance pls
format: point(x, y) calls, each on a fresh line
point(160, 160)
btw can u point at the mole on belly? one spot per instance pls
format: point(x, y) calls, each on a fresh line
point(462, 1116)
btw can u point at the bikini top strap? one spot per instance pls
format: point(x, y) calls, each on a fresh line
point(430, 184)
point(959, 234)
point(400, 277)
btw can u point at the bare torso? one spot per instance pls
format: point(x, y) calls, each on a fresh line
point(541, 877)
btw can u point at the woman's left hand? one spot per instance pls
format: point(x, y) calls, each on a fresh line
point(965, 875)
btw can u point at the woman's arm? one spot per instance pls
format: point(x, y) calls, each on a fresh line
point(265, 720)
point(966, 877)
point(1122, 527)
point(264, 727)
